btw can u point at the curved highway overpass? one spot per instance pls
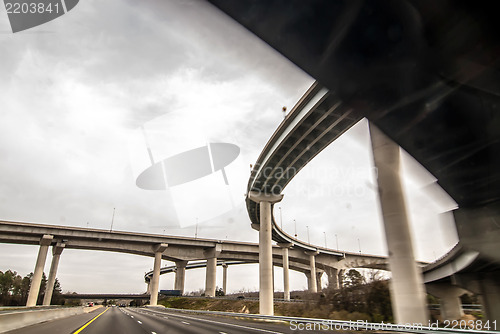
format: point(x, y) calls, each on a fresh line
point(317, 119)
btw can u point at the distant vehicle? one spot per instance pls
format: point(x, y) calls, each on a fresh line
point(171, 292)
point(90, 304)
point(240, 297)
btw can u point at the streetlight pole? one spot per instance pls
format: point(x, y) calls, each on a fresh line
point(308, 241)
point(196, 230)
point(112, 220)
point(281, 218)
point(359, 245)
point(295, 224)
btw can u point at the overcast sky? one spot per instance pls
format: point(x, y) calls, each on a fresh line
point(82, 98)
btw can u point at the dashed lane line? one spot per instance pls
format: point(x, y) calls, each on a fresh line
point(221, 323)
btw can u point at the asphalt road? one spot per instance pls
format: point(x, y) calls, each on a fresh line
point(114, 320)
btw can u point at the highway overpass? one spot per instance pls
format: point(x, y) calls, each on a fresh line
point(427, 78)
point(181, 250)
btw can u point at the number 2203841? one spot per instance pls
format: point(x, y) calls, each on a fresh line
point(32, 8)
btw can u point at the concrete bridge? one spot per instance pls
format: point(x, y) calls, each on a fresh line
point(318, 119)
point(181, 250)
point(459, 271)
point(102, 296)
point(439, 100)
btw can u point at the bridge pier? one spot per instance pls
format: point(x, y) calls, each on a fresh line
point(211, 255)
point(286, 270)
point(56, 256)
point(312, 279)
point(266, 284)
point(449, 299)
point(211, 276)
point(318, 281)
point(490, 294)
point(155, 280)
point(333, 278)
point(224, 278)
point(478, 230)
point(180, 275)
point(407, 288)
point(36, 280)
point(340, 276)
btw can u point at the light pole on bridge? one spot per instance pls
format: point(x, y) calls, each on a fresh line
point(295, 225)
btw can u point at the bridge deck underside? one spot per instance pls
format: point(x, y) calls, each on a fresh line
point(433, 86)
point(324, 123)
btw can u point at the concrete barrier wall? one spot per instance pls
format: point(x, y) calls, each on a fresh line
point(19, 319)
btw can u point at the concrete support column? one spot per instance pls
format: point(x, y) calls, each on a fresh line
point(313, 287)
point(180, 275)
point(56, 255)
point(407, 288)
point(211, 276)
point(266, 286)
point(341, 278)
point(211, 255)
point(309, 285)
point(490, 295)
point(449, 299)
point(286, 270)
point(318, 281)
point(451, 307)
point(36, 280)
point(155, 280)
point(224, 278)
point(333, 279)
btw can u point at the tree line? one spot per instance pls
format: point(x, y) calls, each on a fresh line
point(14, 289)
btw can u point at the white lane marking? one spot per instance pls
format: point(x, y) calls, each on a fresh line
point(222, 333)
point(132, 316)
point(184, 322)
point(221, 323)
point(139, 322)
point(153, 332)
